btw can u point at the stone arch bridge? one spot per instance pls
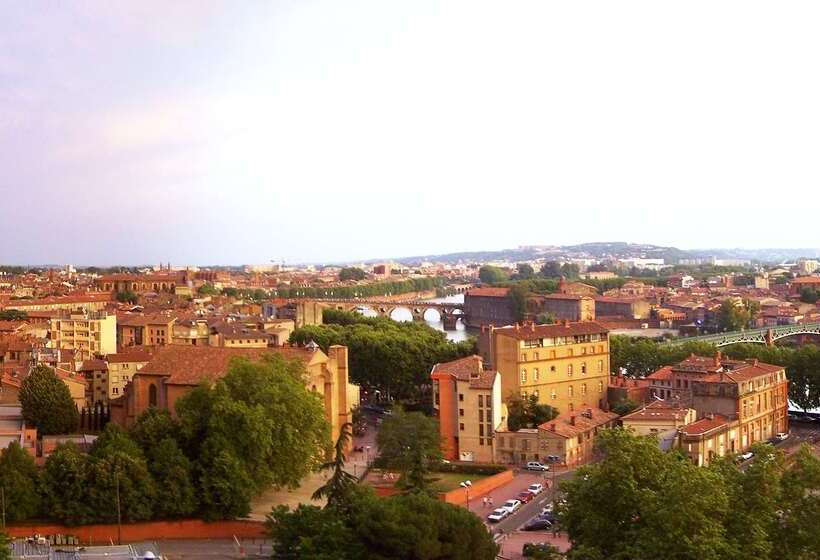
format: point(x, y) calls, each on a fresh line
point(765, 335)
point(450, 313)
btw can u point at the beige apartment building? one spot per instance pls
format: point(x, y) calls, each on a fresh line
point(89, 333)
point(564, 365)
point(121, 368)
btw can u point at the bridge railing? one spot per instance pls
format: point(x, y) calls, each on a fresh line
point(779, 331)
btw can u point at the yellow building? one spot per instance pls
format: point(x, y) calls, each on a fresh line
point(121, 368)
point(89, 333)
point(565, 365)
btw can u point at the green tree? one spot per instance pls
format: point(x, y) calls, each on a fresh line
point(337, 489)
point(153, 426)
point(352, 273)
point(410, 527)
point(733, 316)
point(528, 413)
point(797, 537)
point(5, 547)
point(809, 295)
point(524, 271)
point(207, 289)
point(283, 427)
point(19, 483)
point(225, 486)
point(47, 403)
point(127, 296)
point(642, 503)
point(518, 294)
point(624, 407)
point(117, 467)
point(491, 274)
point(172, 474)
point(13, 315)
point(230, 292)
point(410, 443)
point(64, 484)
point(570, 271)
point(551, 269)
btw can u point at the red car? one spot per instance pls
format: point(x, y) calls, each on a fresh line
point(525, 497)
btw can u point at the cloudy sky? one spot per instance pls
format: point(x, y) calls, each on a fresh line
point(239, 132)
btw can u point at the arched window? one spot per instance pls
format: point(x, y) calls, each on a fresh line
point(152, 395)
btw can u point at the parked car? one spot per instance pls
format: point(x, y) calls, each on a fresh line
point(782, 436)
point(511, 505)
point(536, 466)
point(538, 524)
point(746, 456)
point(525, 497)
point(535, 489)
point(497, 515)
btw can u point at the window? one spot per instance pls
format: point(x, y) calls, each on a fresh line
point(460, 397)
point(152, 395)
point(583, 388)
point(552, 369)
point(553, 395)
point(569, 369)
point(480, 441)
point(571, 391)
point(481, 430)
point(600, 386)
point(116, 391)
point(461, 412)
point(583, 368)
point(523, 376)
point(461, 427)
point(536, 356)
point(480, 400)
point(600, 366)
point(523, 357)
point(535, 374)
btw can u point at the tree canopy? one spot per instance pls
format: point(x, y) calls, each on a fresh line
point(491, 274)
point(410, 527)
point(352, 273)
point(47, 403)
point(640, 503)
point(410, 443)
point(13, 315)
point(395, 358)
point(528, 413)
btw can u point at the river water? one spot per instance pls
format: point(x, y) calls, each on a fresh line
point(432, 317)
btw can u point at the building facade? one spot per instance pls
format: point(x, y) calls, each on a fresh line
point(90, 333)
point(488, 306)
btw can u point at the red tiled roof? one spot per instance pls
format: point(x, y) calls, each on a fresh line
point(659, 410)
point(584, 422)
point(532, 331)
point(189, 365)
point(93, 365)
point(469, 369)
point(705, 425)
point(488, 292)
point(807, 280)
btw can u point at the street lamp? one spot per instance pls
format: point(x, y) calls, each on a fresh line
point(367, 455)
point(466, 485)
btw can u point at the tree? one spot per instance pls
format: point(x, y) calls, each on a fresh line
point(64, 484)
point(207, 289)
point(624, 407)
point(524, 271)
point(551, 269)
point(352, 273)
point(153, 426)
point(642, 503)
point(410, 442)
point(47, 403)
point(171, 472)
point(797, 537)
point(337, 489)
point(118, 475)
point(491, 274)
point(127, 296)
point(518, 294)
point(13, 315)
point(809, 295)
point(283, 427)
point(570, 270)
point(410, 527)
point(20, 483)
point(545, 318)
point(5, 547)
point(225, 486)
point(528, 413)
point(733, 316)
point(395, 358)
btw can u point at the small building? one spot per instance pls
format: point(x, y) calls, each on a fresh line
point(14, 428)
point(658, 417)
point(488, 306)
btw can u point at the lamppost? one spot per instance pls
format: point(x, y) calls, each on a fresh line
point(466, 485)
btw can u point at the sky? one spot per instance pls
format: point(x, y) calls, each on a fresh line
point(202, 132)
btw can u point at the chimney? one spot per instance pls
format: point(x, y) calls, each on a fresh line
point(532, 326)
point(552, 427)
point(572, 420)
point(718, 358)
point(566, 322)
point(517, 327)
point(755, 362)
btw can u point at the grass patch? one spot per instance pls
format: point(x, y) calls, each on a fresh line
point(450, 481)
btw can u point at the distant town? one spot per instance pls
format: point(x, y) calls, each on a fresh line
point(488, 385)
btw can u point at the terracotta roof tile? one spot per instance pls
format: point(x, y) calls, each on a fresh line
point(532, 331)
point(489, 292)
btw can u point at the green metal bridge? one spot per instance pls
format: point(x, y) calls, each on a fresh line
point(765, 335)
